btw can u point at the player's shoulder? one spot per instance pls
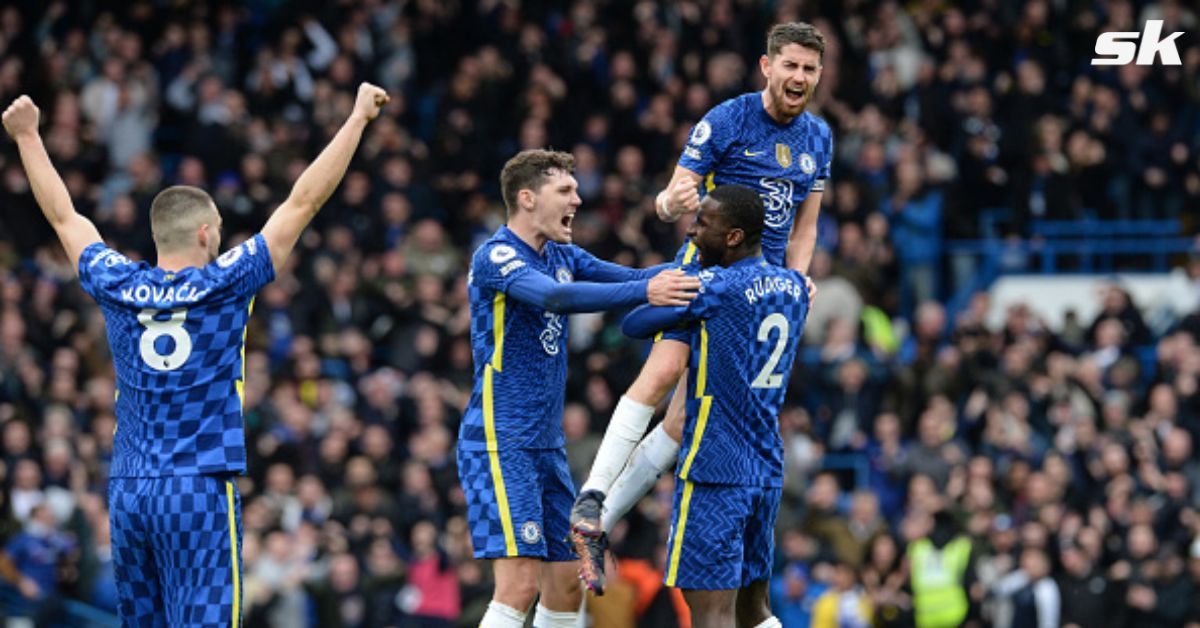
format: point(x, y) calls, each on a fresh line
point(245, 249)
point(742, 275)
point(99, 256)
point(734, 107)
point(813, 122)
point(498, 256)
point(714, 279)
point(497, 249)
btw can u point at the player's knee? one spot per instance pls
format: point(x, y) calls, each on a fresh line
point(517, 590)
point(564, 596)
point(752, 613)
point(710, 608)
point(753, 605)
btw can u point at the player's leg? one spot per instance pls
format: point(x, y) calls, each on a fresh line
point(516, 588)
point(562, 594)
point(753, 601)
point(711, 609)
point(753, 606)
point(139, 594)
point(663, 367)
point(589, 521)
point(503, 494)
point(705, 549)
point(654, 455)
point(197, 540)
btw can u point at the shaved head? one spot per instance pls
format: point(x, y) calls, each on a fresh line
point(177, 214)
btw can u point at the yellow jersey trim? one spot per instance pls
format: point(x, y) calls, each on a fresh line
point(233, 555)
point(489, 428)
point(685, 503)
point(498, 332)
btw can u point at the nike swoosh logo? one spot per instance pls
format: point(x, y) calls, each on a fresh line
point(750, 154)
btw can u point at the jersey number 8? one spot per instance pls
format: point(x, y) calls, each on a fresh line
point(171, 328)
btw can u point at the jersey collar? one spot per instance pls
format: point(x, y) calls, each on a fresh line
point(517, 241)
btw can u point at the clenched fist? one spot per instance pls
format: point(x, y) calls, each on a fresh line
point(21, 117)
point(681, 198)
point(370, 100)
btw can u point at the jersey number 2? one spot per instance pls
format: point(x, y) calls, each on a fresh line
point(767, 377)
point(171, 328)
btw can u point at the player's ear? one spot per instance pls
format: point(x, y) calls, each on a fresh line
point(525, 199)
point(734, 238)
point(764, 64)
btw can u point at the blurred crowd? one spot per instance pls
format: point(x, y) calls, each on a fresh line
point(1065, 455)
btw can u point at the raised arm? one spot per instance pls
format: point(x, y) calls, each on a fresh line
point(802, 241)
point(317, 183)
point(681, 196)
point(75, 232)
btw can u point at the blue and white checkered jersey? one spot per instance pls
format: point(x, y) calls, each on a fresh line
point(738, 142)
point(520, 349)
point(748, 320)
point(178, 345)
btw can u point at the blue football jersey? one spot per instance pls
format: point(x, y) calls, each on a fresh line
point(520, 349)
point(748, 319)
point(178, 344)
point(737, 142)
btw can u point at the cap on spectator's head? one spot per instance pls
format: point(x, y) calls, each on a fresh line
point(1002, 523)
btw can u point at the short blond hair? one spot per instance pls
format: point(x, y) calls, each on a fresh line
point(176, 213)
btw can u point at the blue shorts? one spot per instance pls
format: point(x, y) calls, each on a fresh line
point(722, 536)
point(518, 502)
point(177, 545)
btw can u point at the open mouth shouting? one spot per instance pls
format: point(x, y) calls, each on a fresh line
point(566, 222)
point(794, 96)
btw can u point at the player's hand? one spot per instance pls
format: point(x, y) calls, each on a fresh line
point(812, 288)
point(672, 287)
point(370, 100)
point(28, 586)
point(683, 197)
point(21, 117)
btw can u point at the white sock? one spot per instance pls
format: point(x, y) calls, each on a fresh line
point(655, 454)
point(771, 622)
point(546, 618)
point(628, 424)
point(502, 616)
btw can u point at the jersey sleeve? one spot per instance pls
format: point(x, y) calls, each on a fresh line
point(826, 163)
point(707, 304)
point(710, 139)
point(497, 265)
point(588, 267)
point(246, 267)
point(102, 269)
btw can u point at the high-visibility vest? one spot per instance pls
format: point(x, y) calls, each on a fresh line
point(939, 599)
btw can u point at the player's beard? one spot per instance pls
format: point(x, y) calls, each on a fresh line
point(783, 104)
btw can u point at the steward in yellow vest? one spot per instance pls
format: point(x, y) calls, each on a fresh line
point(940, 573)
